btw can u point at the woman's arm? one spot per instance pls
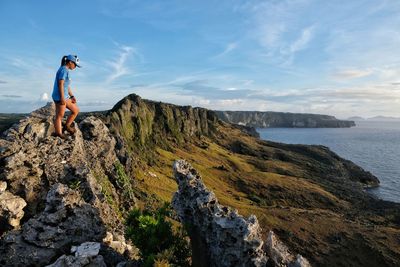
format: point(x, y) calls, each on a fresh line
point(71, 95)
point(61, 90)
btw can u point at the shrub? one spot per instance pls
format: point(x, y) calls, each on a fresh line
point(153, 234)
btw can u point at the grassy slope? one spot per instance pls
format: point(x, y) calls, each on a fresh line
point(314, 221)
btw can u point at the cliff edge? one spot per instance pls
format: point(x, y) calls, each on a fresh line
point(270, 119)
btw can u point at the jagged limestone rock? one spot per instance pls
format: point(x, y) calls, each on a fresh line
point(279, 253)
point(11, 210)
point(34, 160)
point(3, 187)
point(87, 249)
point(66, 220)
point(68, 187)
point(120, 245)
point(74, 261)
point(220, 236)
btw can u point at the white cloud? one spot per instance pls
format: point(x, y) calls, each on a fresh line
point(44, 97)
point(201, 101)
point(247, 82)
point(302, 42)
point(229, 102)
point(118, 65)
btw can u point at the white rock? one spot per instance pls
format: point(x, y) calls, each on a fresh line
point(280, 254)
point(11, 208)
point(118, 246)
point(88, 249)
point(3, 186)
point(108, 238)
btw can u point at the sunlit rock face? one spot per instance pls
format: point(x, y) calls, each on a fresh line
point(220, 236)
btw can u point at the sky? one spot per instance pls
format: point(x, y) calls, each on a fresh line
point(336, 57)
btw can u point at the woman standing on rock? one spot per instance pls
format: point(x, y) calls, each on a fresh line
point(63, 97)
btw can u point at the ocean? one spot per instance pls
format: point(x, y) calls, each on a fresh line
point(373, 145)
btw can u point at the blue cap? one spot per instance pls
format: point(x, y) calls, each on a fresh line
point(74, 59)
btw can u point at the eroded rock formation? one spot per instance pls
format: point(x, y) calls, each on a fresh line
point(219, 235)
point(70, 188)
point(11, 209)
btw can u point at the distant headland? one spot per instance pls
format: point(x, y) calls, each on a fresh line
point(270, 119)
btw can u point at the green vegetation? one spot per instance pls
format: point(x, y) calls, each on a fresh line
point(75, 184)
point(153, 234)
point(107, 190)
point(124, 182)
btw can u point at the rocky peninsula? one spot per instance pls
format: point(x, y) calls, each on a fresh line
point(270, 119)
point(64, 203)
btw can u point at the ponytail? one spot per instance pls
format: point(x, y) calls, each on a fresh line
point(63, 61)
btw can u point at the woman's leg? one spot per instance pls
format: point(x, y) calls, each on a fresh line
point(60, 111)
point(74, 112)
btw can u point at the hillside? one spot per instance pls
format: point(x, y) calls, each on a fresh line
point(8, 119)
point(308, 194)
point(271, 119)
point(310, 197)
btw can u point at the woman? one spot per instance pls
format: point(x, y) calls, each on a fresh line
point(63, 97)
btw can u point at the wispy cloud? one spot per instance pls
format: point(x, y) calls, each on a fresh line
point(203, 89)
point(2, 82)
point(277, 28)
point(367, 40)
point(302, 42)
point(11, 96)
point(229, 48)
point(119, 64)
point(352, 74)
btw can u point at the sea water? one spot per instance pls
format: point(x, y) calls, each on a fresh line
point(373, 145)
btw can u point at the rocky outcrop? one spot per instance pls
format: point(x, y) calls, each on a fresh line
point(71, 189)
point(146, 122)
point(66, 220)
point(87, 254)
point(271, 119)
point(280, 254)
point(11, 209)
point(219, 235)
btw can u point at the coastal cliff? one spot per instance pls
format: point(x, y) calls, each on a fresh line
point(271, 119)
point(81, 189)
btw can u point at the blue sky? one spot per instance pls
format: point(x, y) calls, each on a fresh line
point(332, 57)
